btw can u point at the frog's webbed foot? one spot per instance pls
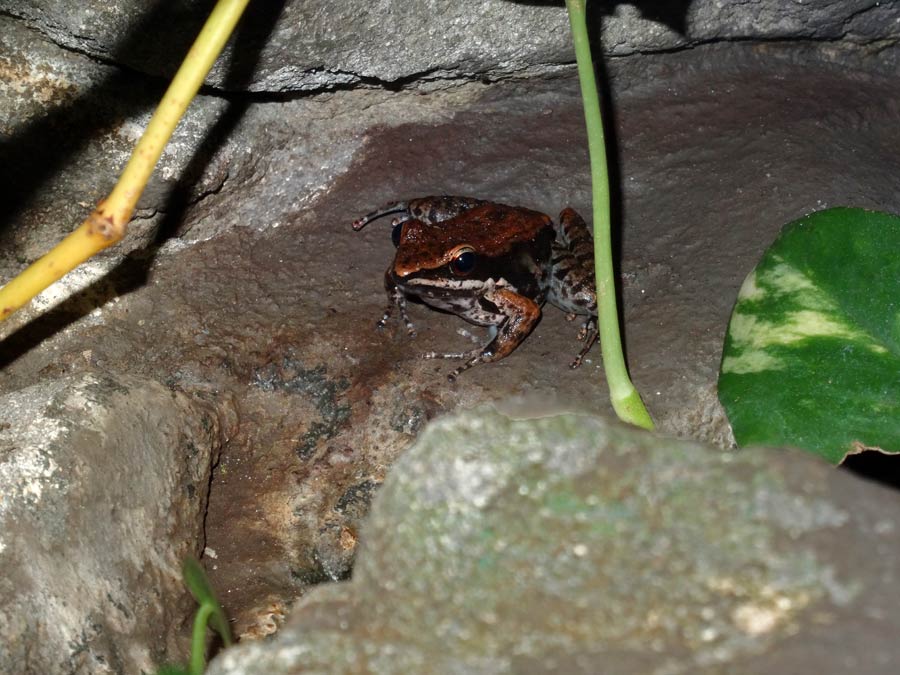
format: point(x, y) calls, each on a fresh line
point(588, 335)
point(398, 300)
point(472, 353)
point(472, 356)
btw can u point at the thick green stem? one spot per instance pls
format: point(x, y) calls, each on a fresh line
point(625, 399)
point(198, 638)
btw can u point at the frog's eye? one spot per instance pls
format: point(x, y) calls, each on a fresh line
point(463, 261)
point(396, 233)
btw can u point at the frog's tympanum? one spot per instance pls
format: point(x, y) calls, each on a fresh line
point(491, 264)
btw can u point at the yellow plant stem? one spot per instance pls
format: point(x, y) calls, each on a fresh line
point(107, 223)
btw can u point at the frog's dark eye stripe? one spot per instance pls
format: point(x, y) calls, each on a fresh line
point(397, 232)
point(463, 261)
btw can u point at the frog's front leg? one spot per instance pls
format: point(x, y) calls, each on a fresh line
point(429, 210)
point(397, 299)
point(521, 312)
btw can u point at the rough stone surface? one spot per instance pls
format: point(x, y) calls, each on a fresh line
point(103, 487)
point(503, 544)
point(716, 148)
point(317, 44)
point(70, 125)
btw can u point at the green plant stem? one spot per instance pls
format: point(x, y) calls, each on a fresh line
point(198, 638)
point(626, 400)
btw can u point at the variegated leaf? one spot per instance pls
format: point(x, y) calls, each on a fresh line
point(812, 354)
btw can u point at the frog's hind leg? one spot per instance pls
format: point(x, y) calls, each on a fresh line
point(437, 209)
point(387, 209)
point(573, 233)
point(588, 335)
point(521, 312)
point(430, 210)
point(571, 285)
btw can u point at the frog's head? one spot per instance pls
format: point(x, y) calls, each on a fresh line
point(465, 251)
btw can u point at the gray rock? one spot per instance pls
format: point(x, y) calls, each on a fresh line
point(317, 44)
point(69, 126)
point(72, 124)
point(103, 487)
point(501, 544)
point(719, 146)
point(814, 19)
point(72, 112)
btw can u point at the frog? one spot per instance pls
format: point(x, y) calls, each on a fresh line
point(492, 265)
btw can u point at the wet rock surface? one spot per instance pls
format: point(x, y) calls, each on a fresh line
point(567, 543)
point(262, 291)
point(103, 484)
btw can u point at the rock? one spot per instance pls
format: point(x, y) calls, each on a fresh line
point(304, 45)
point(69, 126)
point(566, 543)
point(72, 124)
point(103, 488)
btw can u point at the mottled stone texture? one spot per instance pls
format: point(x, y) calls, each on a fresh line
point(718, 146)
point(264, 291)
point(570, 544)
point(315, 44)
point(103, 485)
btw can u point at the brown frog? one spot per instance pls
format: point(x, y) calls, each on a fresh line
point(491, 264)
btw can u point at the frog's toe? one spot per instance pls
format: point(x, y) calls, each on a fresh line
point(588, 335)
point(469, 335)
point(588, 329)
point(439, 355)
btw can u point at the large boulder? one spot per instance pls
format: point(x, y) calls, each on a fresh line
point(501, 543)
point(103, 487)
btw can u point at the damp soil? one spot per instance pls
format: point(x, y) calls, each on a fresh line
point(714, 150)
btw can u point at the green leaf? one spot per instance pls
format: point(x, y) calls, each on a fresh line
point(812, 354)
point(198, 584)
point(210, 613)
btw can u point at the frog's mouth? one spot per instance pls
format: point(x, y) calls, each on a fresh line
point(427, 286)
point(449, 284)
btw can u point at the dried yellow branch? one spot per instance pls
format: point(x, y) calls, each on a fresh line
point(106, 225)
